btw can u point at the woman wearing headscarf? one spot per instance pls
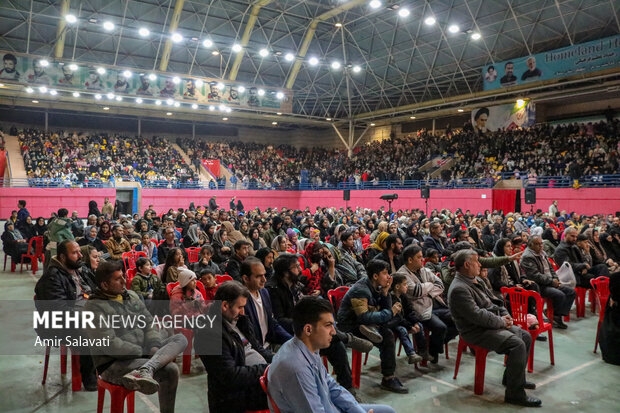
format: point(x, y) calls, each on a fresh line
point(474, 235)
point(550, 241)
point(93, 209)
point(233, 234)
point(279, 245)
point(209, 231)
point(255, 239)
point(293, 236)
point(598, 253)
point(26, 228)
point(320, 274)
point(606, 240)
point(375, 248)
point(105, 232)
point(90, 261)
point(609, 334)
point(91, 238)
point(195, 237)
point(267, 256)
point(40, 227)
point(222, 246)
point(489, 237)
point(182, 223)
point(14, 243)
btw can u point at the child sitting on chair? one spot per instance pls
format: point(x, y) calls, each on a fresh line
point(185, 298)
point(405, 322)
point(207, 278)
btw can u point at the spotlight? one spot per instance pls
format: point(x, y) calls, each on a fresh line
point(73, 67)
point(139, 100)
point(222, 108)
point(70, 18)
point(119, 98)
point(176, 37)
point(177, 104)
point(338, 24)
point(220, 86)
point(279, 113)
point(176, 80)
point(375, 4)
point(169, 113)
point(357, 69)
point(261, 92)
point(228, 110)
point(44, 63)
point(53, 92)
point(215, 53)
point(35, 101)
point(199, 83)
point(101, 70)
point(211, 108)
point(372, 124)
point(403, 12)
point(280, 95)
point(274, 123)
point(236, 48)
point(158, 102)
point(110, 95)
point(152, 76)
point(429, 21)
point(520, 102)
point(411, 117)
point(263, 52)
point(169, 102)
point(459, 110)
point(289, 57)
point(194, 106)
point(328, 119)
point(476, 36)
point(108, 26)
point(43, 89)
point(144, 32)
point(224, 118)
point(313, 61)
point(29, 90)
point(207, 43)
point(453, 28)
point(336, 65)
point(241, 89)
point(127, 74)
point(106, 108)
point(98, 96)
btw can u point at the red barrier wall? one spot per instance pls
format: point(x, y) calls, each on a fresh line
point(42, 201)
point(585, 201)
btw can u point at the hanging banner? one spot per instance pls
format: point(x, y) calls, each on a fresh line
point(509, 116)
point(212, 165)
point(567, 61)
point(27, 70)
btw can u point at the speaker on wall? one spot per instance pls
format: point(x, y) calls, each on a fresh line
point(425, 192)
point(530, 196)
point(346, 195)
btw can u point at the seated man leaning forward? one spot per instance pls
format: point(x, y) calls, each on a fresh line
point(298, 381)
point(137, 358)
point(484, 324)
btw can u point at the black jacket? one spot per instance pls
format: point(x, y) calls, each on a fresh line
point(283, 299)
point(275, 332)
point(228, 376)
point(233, 267)
point(570, 253)
point(398, 260)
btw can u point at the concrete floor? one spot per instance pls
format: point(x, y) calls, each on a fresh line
point(579, 381)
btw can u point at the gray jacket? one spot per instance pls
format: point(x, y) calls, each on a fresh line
point(422, 288)
point(537, 268)
point(477, 319)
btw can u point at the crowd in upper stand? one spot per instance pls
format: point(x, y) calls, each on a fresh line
point(88, 157)
point(573, 150)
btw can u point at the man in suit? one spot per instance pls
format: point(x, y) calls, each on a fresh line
point(258, 308)
point(482, 323)
point(435, 240)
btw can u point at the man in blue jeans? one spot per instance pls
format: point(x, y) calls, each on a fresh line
point(298, 381)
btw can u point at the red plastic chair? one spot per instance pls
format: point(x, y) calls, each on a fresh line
point(222, 278)
point(170, 286)
point(553, 264)
point(335, 296)
point(76, 376)
point(481, 363)
point(130, 274)
point(519, 304)
point(202, 289)
point(189, 334)
point(600, 286)
point(118, 394)
point(264, 383)
point(13, 265)
point(34, 258)
point(193, 254)
point(130, 258)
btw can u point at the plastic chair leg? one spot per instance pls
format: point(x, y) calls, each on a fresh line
point(76, 376)
point(481, 364)
point(530, 358)
point(598, 328)
point(100, 399)
point(365, 359)
point(356, 368)
point(447, 356)
point(459, 353)
point(551, 354)
point(63, 360)
point(47, 363)
point(593, 299)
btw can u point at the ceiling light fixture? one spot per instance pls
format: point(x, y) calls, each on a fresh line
point(199, 83)
point(29, 90)
point(224, 118)
point(158, 102)
point(194, 106)
point(127, 74)
point(53, 92)
point(144, 32)
point(70, 18)
point(76, 94)
point(139, 100)
point(289, 57)
point(169, 113)
point(215, 53)
point(176, 80)
point(263, 52)
point(108, 26)
point(454, 28)
point(403, 12)
point(106, 108)
point(313, 61)
point(176, 37)
point(207, 43)
point(101, 70)
point(44, 63)
point(476, 36)
point(43, 89)
point(261, 92)
point(98, 96)
point(236, 48)
point(336, 65)
point(280, 95)
point(357, 69)
point(110, 95)
point(375, 4)
point(241, 89)
point(429, 21)
point(73, 67)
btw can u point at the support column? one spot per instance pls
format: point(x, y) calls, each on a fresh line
point(433, 127)
point(61, 31)
point(174, 24)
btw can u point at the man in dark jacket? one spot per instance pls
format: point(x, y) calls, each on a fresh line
point(170, 242)
point(241, 250)
point(434, 240)
point(65, 285)
point(137, 358)
point(23, 213)
point(213, 206)
point(258, 308)
point(484, 324)
point(536, 267)
point(233, 376)
point(365, 311)
point(568, 250)
point(391, 253)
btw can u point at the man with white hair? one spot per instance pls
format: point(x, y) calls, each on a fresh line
point(568, 250)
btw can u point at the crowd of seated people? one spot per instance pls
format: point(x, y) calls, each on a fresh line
point(90, 157)
point(573, 150)
point(400, 267)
